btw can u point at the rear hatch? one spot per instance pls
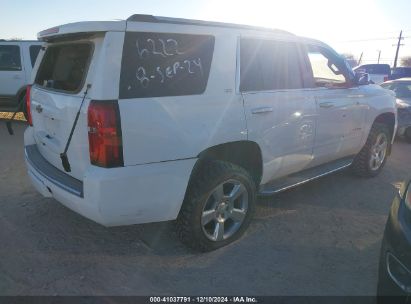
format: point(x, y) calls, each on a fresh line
point(56, 96)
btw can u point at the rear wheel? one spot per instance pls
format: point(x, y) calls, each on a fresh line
point(218, 206)
point(371, 159)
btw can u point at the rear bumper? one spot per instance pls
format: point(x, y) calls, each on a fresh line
point(115, 196)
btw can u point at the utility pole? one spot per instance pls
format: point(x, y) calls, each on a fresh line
point(359, 60)
point(398, 49)
point(379, 56)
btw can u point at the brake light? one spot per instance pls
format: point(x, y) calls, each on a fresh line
point(104, 134)
point(28, 107)
point(385, 78)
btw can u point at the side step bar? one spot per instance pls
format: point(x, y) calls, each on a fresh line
point(303, 177)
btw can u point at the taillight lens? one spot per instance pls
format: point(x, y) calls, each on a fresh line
point(104, 134)
point(385, 78)
point(28, 106)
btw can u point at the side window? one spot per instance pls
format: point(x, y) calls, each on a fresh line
point(10, 58)
point(162, 64)
point(269, 65)
point(34, 51)
point(326, 71)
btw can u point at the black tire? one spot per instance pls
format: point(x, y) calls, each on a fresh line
point(199, 192)
point(407, 134)
point(361, 165)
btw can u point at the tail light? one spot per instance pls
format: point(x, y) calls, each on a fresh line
point(104, 134)
point(386, 78)
point(28, 107)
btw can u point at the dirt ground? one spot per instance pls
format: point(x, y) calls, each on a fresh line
point(322, 238)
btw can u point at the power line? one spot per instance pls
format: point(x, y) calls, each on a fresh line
point(371, 39)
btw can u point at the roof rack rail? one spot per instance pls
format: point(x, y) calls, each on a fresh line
point(157, 19)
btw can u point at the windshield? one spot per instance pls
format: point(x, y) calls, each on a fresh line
point(402, 90)
point(64, 67)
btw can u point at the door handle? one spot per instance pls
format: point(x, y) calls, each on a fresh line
point(16, 77)
point(261, 110)
point(326, 105)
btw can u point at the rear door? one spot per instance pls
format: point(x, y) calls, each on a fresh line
point(280, 111)
point(12, 76)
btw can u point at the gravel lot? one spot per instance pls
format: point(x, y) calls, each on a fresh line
point(322, 238)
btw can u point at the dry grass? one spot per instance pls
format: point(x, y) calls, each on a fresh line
point(7, 115)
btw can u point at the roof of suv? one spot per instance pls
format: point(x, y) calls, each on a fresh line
point(87, 27)
point(158, 19)
point(104, 26)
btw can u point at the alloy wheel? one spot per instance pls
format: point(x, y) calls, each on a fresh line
point(225, 210)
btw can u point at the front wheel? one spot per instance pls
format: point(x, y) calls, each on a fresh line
point(373, 156)
point(218, 206)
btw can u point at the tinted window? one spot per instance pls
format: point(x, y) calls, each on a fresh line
point(10, 58)
point(403, 72)
point(64, 67)
point(269, 65)
point(34, 51)
point(161, 64)
point(376, 69)
point(326, 70)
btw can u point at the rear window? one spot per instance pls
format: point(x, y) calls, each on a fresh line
point(161, 64)
point(64, 67)
point(383, 69)
point(34, 52)
point(402, 72)
point(10, 58)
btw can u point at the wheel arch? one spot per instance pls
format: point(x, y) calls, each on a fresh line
point(388, 119)
point(244, 153)
point(20, 93)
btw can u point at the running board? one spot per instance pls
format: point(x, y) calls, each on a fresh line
point(303, 177)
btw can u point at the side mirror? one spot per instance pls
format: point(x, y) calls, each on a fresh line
point(362, 78)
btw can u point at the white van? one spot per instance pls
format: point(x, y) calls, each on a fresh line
point(17, 58)
point(190, 120)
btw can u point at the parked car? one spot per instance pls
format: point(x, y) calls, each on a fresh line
point(190, 120)
point(16, 62)
point(402, 89)
point(378, 73)
point(394, 277)
point(400, 72)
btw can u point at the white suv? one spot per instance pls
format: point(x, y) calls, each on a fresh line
point(17, 59)
point(191, 120)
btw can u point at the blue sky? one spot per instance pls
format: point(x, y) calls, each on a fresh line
point(350, 26)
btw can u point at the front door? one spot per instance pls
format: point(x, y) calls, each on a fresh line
point(280, 112)
point(339, 108)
